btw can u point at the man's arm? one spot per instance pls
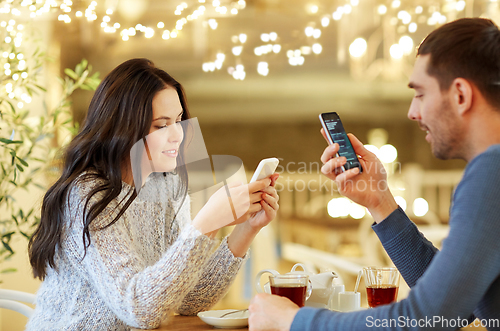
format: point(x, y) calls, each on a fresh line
point(408, 249)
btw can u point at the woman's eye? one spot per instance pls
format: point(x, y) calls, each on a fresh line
point(161, 126)
point(419, 96)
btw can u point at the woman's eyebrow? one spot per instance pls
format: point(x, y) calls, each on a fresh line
point(166, 117)
point(162, 118)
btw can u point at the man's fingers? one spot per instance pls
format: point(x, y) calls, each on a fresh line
point(323, 133)
point(346, 175)
point(358, 146)
point(329, 153)
point(332, 167)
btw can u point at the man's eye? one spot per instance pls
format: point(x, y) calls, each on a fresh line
point(419, 96)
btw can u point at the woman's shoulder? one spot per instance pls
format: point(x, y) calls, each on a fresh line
point(91, 186)
point(84, 183)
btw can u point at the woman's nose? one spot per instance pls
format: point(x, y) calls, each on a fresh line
point(175, 132)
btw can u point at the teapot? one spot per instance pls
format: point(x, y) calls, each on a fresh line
point(322, 285)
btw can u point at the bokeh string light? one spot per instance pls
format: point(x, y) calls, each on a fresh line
point(399, 27)
point(15, 66)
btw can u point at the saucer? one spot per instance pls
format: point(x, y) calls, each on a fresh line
point(213, 317)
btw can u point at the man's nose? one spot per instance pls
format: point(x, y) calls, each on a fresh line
point(414, 111)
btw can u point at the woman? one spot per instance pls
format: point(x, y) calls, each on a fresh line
point(111, 258)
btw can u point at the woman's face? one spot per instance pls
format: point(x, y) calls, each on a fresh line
point(165, 135)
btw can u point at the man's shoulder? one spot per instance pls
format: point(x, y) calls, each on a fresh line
point(492, 150)
point(489, 159)
point(481, 176)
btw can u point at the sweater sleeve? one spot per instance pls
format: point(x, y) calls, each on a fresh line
point(461, 278)
point(218, 274)
point(140, 295)
point(408, 249)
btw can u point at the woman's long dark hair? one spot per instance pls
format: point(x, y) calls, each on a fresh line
point(119, 115)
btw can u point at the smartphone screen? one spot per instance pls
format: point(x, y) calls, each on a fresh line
point(336, 134)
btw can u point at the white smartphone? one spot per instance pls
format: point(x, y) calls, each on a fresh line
point(266, 168)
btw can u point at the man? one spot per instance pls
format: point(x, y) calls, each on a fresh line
point(456, 80)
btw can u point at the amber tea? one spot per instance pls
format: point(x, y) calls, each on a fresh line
point(294, 292)
point(379, 295)
point(381, 285)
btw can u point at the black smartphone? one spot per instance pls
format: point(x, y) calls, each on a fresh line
point(336, 134)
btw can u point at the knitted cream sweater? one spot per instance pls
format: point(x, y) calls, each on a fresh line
point(136, 271)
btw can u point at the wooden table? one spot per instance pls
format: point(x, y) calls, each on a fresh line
point(191, 323)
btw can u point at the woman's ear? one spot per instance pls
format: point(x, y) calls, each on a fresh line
point(462, 94)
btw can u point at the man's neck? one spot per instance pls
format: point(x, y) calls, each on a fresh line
point(484, 132)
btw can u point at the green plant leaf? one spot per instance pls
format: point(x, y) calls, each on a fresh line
point(40, 186)
point(8, 270)
point(24, 163)
point(8, 235)
point(7, 247)
point(71, 73)
point(8, 141)
point(11, 107)
point(87, 87)
point(27, 236)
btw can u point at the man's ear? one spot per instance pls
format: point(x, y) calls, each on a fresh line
point(462, 94)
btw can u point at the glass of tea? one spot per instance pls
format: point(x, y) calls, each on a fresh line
point(382, 285)
point(297, 288)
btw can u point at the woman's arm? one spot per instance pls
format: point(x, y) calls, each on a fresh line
point(223, 266)
point(218, 274)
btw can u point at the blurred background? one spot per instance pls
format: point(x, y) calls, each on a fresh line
point(257, 73)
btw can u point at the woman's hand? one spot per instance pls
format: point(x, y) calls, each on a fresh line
point(368, 188)
point(243, 234)
point(269, 204)
point(234, 204)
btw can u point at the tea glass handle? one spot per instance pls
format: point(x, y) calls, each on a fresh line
point(258, 286)
point(309, 289)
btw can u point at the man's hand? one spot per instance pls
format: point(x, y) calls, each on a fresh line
point(369, 188)
point(271, 312)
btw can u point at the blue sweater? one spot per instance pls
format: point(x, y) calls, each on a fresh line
point(448, 287)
